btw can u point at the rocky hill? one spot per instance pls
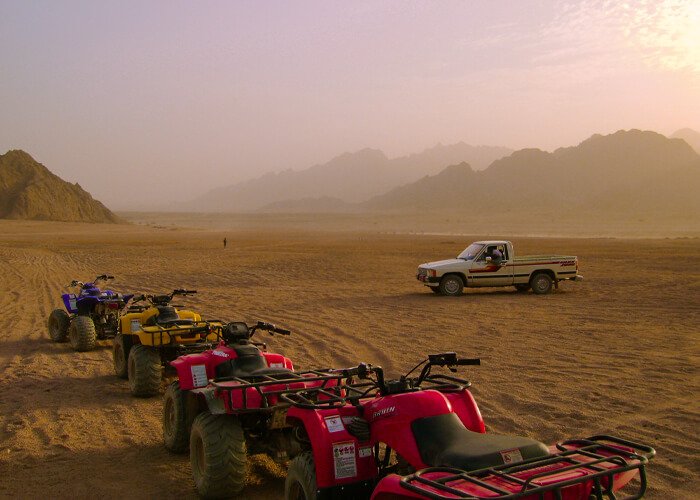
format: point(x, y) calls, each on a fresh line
point(628, 171)
point(351, 177)
point(28, 190)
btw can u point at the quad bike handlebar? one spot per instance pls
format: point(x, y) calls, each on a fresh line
point(101, 277)
point(269, 327)
point(406, 383)
point(237, 331)
point(162, 299)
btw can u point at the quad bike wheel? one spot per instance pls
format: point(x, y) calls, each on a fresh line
point(451, 285)
point(218, 455)
point(144, 371)
point(59, 322)
point(120, 357)
point(81, 334)
point(541, 283)
point(179, 411)
point(301, 478)
point(522, 288)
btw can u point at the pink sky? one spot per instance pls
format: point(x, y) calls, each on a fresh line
point(186, 96)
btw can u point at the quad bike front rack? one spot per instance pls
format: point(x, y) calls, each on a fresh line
point(596, 459)
point(290, 388)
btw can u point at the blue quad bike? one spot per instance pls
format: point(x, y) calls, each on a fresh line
point(90, 314)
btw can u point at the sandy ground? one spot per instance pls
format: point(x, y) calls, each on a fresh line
point(618, 353)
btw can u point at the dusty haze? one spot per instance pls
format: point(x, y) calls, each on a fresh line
point(122, 97)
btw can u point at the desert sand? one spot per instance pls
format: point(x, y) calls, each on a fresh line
point(618, 353)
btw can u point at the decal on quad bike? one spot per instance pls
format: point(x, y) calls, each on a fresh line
point(199, 375)
point(384, 412)
point(334, 424)
point(221, 354)
point(344, 460)
point(365, 452)
point(510, 456)
point(135, 325)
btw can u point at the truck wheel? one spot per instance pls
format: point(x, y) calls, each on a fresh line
point(301, 478)
point(541, 283)
point(522, 288)
point(451, 285)
point(120, 357)
point(59, 322)
point(178, 415)
point(218, 455)
point(81, 334)
point(144, 371)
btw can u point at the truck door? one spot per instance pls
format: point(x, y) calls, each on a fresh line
point(485, 273)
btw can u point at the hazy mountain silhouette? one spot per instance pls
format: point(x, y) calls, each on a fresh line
point(28, 190)
point(626, 171)
point(320, 205)
point(692, 137)
point(350, 177)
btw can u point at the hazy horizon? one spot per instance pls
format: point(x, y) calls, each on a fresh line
point(122, 97)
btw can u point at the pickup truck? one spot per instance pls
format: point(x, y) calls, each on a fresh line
point(492, 264)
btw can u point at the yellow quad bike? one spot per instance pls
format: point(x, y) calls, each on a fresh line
point(152, 334)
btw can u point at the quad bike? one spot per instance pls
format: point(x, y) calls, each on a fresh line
point(353, 434)
point(235, 356)
point(92, 314)
point(154, 332)
point(433, 426)
point(226, 405)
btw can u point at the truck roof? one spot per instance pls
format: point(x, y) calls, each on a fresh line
point(492, 242)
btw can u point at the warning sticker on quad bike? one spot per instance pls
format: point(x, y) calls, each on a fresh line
point(199, 375)
point(344, 460)
point(511, 456)
point(135, 325)
point(334, 424)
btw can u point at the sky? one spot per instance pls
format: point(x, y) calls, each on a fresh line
point(145, 102)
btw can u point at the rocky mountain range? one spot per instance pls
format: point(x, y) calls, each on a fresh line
point(28, 190)
point(350, 177)
point(628, 171)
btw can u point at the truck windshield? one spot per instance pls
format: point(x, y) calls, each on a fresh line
point(471, 251)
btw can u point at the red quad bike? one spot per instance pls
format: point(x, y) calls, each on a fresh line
point(198, 374)
point(226, 405)
point(360, 435)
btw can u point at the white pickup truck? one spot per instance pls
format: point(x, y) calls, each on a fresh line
point(493, 263)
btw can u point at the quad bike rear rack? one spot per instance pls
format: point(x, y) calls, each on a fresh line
point(522, 479)
point(188, 331)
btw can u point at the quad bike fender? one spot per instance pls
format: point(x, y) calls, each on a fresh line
point(278, 361)
point(390, 418)
point(71, 302)
point(464, 405)
point(339, 457)
point(389, 488)
point(195, 370)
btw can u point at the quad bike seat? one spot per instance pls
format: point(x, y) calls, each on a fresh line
point(249, 362)
point(443, 440)
point(167, 316)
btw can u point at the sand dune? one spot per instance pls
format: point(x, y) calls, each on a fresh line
point(617, 353)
